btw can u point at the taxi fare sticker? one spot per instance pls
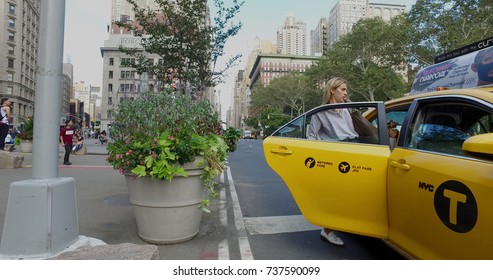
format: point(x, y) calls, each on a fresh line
point(343, 167)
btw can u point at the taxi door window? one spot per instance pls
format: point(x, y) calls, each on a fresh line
point(343, 125)
point(293, 129)
point(443, 128)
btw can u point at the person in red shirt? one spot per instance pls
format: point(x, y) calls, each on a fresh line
point(66, 138)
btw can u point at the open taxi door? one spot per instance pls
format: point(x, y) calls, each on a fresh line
point(336, 184)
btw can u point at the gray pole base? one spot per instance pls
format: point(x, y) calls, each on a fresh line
point(41, 218)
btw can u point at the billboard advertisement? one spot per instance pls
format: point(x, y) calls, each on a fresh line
point(470, 70)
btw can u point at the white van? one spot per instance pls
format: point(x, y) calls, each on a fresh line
point(247, 134)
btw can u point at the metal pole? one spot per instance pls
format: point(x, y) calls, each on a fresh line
point(41, 218)
point(48, 90)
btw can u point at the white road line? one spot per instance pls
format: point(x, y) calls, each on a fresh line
point(223, 249)
point(278, 224)
point(245, 251)
point(223, 214)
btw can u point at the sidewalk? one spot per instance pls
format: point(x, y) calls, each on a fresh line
point(104, 211)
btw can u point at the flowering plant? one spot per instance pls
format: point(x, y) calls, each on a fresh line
point(28, 129)
point(156, 134)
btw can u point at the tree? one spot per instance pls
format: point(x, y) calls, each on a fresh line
point(444, 25)
point(180, 33)
point(270, 119)
point(291, 94)
point(368, 57)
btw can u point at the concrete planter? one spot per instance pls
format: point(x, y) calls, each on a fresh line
point(26, 146)
point(167, 211)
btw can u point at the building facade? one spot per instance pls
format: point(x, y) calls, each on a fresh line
point(270, 66)
point(18, 52)
point(346, 13)
point(385, 11)
point(68, 88)
point(120, 82)
point(292, 38)
point(318, 38)
point(343, 16)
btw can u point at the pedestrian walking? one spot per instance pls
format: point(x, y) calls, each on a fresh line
point(66, 139)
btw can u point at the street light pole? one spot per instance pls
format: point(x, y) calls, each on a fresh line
point(41, 218)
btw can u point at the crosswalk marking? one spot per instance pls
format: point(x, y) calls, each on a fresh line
point(278, 224)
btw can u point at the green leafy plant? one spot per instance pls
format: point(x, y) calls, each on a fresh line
point(154, 135)
point(231, 136)
point(28, 129)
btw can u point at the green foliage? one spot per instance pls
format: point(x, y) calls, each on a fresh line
point(272, 119)
point(156, 134)
point(440, 26)
point(292, 93)
point(181, 35)
point(231, 136)
point(28, 129)
point(368, 59)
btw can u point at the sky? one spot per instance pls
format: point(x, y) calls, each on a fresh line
point(86, 24)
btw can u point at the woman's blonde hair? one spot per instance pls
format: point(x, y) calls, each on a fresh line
point(332, 84)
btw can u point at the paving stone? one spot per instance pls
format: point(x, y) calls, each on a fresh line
point(124, 251)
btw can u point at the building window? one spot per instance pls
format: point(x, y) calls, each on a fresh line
point(127, 62)
point(127, 75)
point(111, 61)
point(12, 9)
point(10, 77)
point(110, 76)
point(10, 63)
point(11, 36)
point(11, 49)
point(110, 100)
point(10, 90)
point(110, 87)
point(11, 22)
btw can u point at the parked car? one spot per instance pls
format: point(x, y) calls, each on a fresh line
point(247, 134)
point(430, 197)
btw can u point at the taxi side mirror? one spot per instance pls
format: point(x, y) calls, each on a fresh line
point(479, 146)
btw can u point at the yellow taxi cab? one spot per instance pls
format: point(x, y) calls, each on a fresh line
point(420, 174)
point(430, 196)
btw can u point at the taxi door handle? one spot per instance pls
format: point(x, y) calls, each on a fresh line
point(281, 151)
point(400, 165)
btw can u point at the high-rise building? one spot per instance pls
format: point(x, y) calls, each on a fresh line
point(18, 54)
point(67, 90)
point(291, 38)
point(318, 38)
point(346, 13)
point(121, 10)
point(343, 16)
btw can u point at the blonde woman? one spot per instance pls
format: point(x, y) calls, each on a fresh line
point(333, 125)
